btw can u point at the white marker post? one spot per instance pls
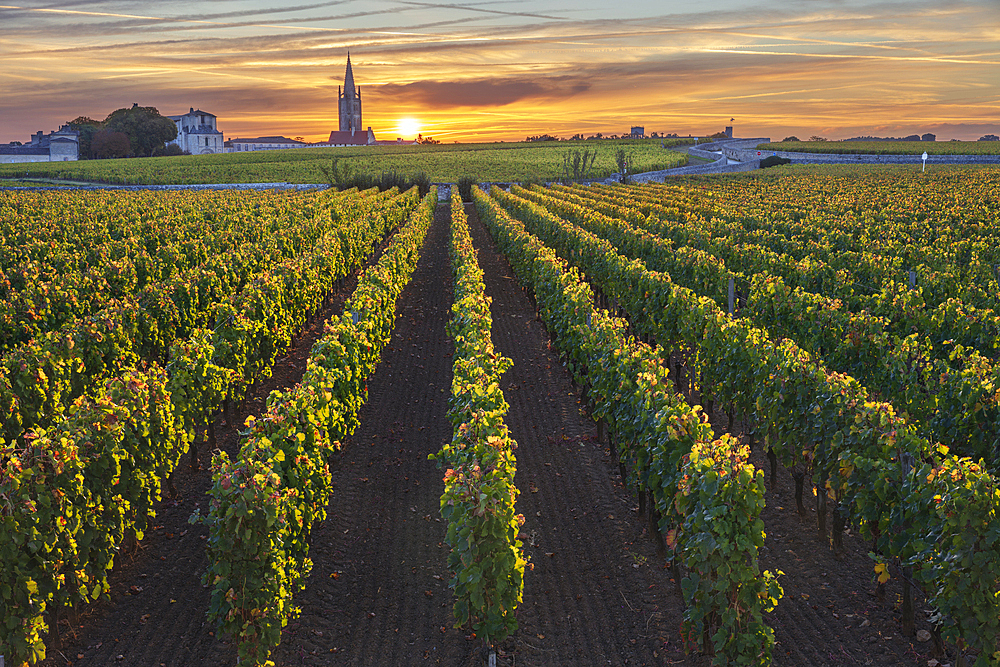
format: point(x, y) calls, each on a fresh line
point(924, 158)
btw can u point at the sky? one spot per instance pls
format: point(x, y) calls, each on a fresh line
point(506, 69)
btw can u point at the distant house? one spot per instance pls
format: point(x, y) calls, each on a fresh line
point(197, 133)
point(60, 146)
point(637, 132)
point(262, 144)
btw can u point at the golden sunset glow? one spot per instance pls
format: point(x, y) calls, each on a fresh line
point(408, 128)
point(505, 70)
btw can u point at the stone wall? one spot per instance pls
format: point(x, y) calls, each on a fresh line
point(741, 153)
point(720, 166)
point(712, 151)
point(21, 159)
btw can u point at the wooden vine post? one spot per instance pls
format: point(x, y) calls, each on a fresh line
point(799, 476)
point(908, 630)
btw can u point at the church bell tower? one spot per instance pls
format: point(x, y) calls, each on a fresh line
point(350, 102)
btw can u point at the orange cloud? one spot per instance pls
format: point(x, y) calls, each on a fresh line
point(504, 70)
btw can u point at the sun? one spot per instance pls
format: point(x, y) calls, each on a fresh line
point(408, 127)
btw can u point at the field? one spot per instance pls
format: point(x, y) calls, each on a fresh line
point(21, 183)
point(751, 416)
point(887, 147)
point(443, 163)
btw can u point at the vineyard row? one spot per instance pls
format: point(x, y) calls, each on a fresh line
point(266, 501)
point(930, 510)
point(93, 431)
point(707, 495)
point(948, 391)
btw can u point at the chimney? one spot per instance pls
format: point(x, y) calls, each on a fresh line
point(192, 110)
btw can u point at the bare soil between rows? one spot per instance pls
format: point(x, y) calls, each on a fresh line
point(595, 592)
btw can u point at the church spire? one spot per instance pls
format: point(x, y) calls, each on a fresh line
point(349, 102)
point(349, 79)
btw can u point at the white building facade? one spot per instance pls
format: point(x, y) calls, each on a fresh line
point(197, 133)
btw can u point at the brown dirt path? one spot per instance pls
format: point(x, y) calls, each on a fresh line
point(597, 594)
point(829, 614)
point(378, 593)
point(594, 596)
point(156, 611)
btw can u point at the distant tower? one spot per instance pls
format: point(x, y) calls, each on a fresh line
point(350, 102)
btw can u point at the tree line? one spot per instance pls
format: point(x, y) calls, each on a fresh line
point(129, 132)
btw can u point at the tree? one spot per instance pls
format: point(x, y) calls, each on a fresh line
point(624, 162)
point(421, 139)
point(145, 128)
point(542, 137)
point(87, 127)
point(170, 150)
point(773, 161)
point(989, 137)
point(817, 138)
point(576, 164)
point(109, 144)
point(791, 138)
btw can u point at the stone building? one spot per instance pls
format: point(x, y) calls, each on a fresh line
point(60, 146)
point(197, 133)
point(262, 144)
point(349, 107)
